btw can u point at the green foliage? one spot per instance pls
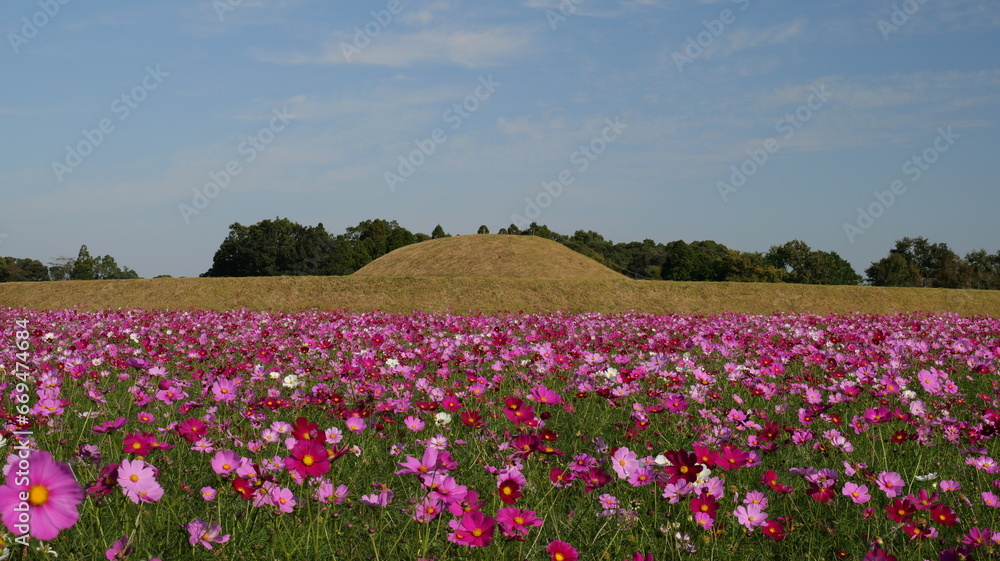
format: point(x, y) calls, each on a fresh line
point(917, 262)
point(13, 269)
point(483, 230)
point(985, 269)
point(805, 266)
point(83, 267)
point(438, 232)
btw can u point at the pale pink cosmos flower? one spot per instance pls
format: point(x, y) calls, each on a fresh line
point(949, 486)
point(624, 462)
point(857, 493)
point(205, 535)
point(750, 516)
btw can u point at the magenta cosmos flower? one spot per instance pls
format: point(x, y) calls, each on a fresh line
point(473, 529)
point(562, 551)
point(40, 497)
point(309, 458)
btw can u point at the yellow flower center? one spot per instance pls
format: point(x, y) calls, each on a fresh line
point(226, 466)
point(307, 460)
point(133, 478)
point(477, 532)
point(559, 557)
point(38, 495)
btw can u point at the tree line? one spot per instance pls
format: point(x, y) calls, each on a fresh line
point(283, 247)
point(82, 267)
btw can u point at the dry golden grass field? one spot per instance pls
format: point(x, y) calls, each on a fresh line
point(486, 274)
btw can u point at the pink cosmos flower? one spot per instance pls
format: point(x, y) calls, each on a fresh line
point(514, 522)
point(138, 481)
point(857, 493)
point(624, 462)
point(53, 496)
point(950, 486)
point(224, 391)
point(750, 516)
point(890, 482)
point(413, 423)
point(704, 520)
point(562, 551)
point(991, 499)
point(208, 493)
point(225, 462)
point(205, 535)
point(356, 424)
point(119, 550)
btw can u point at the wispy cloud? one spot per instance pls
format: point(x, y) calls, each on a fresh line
point(473, 49)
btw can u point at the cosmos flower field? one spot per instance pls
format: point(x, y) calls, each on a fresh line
point(141, 434)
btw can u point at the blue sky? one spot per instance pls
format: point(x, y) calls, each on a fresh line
point(144, 129)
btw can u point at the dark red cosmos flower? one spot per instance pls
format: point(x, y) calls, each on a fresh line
point(917, 531)
point(773, 530)
point(706, 456)
point(705, 503)
point(472, 418)
point(105, 482)
point(509, 491)
point(596, 478)
point(244, 488)
point(770, 478)
point(561, 477)
point(140, 444)
point(304, 430)
point(900, 511)
point(733, 457)
point(451, 403)
point(943, 514)
point(192, 429)
point(521, 415)
point(683, 465)
point(526, 444)
point(820, 494)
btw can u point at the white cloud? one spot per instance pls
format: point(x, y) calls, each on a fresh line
point(473, 49)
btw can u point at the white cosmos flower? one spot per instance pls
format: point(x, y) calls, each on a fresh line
point(442, 418)
point(290, 381)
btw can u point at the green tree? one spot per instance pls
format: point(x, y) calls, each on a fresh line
point(270, 248)
point(83, 267)
point(805, 266)
point(682, 263)
point(894, 270)
point(936, 266)
point(61, 268)
point(483, 230)
point(438, 233)
point(985, 269)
